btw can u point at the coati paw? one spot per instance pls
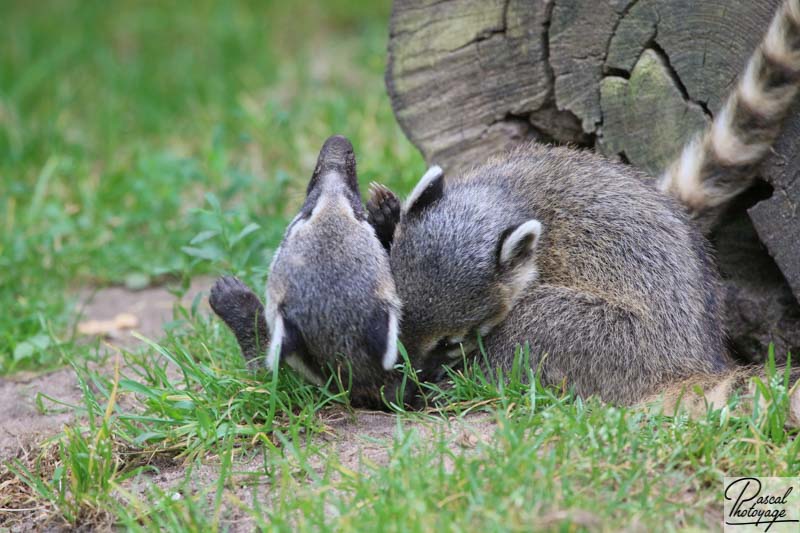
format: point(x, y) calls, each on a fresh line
point(243, 313)
point(383, 205)
point(231, 299)
point(383, 212)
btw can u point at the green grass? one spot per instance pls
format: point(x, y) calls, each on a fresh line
point(120, 120)
point(151, 142)
point(551, 460)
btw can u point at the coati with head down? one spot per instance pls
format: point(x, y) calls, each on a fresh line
point(331, 304)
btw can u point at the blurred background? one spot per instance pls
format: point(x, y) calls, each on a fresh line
point(150, 142)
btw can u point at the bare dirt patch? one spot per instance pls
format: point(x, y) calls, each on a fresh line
point(356, 438)
point(21, 421)
point(359, 440)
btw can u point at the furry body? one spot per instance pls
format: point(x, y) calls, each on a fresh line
point(624, 299)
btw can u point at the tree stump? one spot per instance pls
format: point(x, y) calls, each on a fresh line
point(632, 79)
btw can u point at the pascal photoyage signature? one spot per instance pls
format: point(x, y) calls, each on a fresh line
point(746, 509)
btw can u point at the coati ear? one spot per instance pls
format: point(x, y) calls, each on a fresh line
point(286, 340)
point(429, 189)
point(518, 243)
point(381, 341)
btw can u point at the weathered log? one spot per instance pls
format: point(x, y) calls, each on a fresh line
point(633, 79)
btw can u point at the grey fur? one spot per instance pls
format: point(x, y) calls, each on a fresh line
point(622, 297)
point(330, 288)
point(626, 300)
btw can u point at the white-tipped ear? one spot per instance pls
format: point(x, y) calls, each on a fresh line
point(520, 242)
point(276, 341)
point(390, 356)
point(428, 189)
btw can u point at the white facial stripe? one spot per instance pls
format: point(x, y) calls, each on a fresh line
point(273, 354)
point(343, 206)
point(321, 205)
point(333, 202)
point(390, 356)
point(296, 226)
point(431, 175)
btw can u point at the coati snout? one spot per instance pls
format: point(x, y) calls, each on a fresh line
point(331, 299)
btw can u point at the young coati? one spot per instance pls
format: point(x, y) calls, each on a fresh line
point(331, 300)
point(606, 277)
point(563, 249)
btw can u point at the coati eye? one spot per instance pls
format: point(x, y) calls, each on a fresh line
point(450, 346)
point(448, 343)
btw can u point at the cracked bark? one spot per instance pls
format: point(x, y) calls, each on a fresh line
point(487, 39)
point(635, 79)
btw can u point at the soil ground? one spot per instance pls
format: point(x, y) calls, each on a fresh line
point(355, 437)
point(21, 421)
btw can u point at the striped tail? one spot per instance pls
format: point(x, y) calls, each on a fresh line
point(721, 162)
point(697, 394)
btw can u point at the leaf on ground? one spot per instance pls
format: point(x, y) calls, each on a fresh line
point(137, 281)
point(120, 322)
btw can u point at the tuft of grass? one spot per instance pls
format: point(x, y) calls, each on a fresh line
point(182, 398)
point(772, 399)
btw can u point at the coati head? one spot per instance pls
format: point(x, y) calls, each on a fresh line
point(331, 300)
point(461, 255)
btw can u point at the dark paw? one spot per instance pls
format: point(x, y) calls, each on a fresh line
point(383, 212)
point(230, 298)
point(243, 312)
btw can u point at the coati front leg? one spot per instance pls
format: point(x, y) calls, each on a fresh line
point(243, 312)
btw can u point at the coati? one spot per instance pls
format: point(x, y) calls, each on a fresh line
point(606, 277)
point(563, 249)
point(331, 305)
